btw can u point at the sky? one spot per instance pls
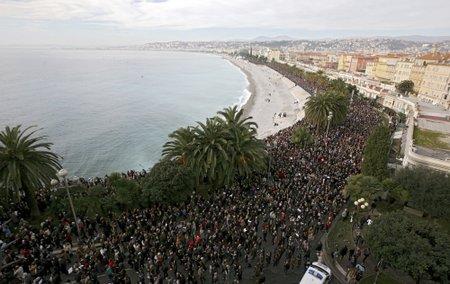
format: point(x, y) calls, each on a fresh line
point(122, 22)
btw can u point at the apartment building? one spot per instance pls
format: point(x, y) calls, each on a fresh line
point(403, 70)
point(273, 54)
point(385, 69)
point(344, 62)
point(358, 63)
point(435, 85)
point(417, 72)
point(371, 67)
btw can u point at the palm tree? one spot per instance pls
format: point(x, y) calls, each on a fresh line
point(180, 148)
point(26, 164)
point(338, 86)
point(210, 156)
point(318, 107)
point(247, 153)
point(220, 149)
point(234, 121)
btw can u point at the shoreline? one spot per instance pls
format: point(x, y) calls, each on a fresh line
point(275, 102)
point(251, 84)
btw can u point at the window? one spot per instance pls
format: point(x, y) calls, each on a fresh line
point(315, 273)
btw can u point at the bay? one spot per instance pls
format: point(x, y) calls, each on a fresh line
point(112, 110)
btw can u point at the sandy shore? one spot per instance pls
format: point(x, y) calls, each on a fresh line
point(272, 96)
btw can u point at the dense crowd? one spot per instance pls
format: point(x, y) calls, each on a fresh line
point(309, 84)
point(235, 233)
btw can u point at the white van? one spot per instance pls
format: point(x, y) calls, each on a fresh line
point(317, 273)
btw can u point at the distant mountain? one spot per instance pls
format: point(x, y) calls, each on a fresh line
point(275, 38)
point(421, 38)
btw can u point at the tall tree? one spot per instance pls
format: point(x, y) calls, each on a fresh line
point(221, 149)
point(247, 153)
point(428, 189)
point(376, 153)
point(405, 86)
point(318, 107)
point(180, 148)
point(168, 181)
point(338, 86)
point(363, 186)
point(417, 247)
point(210, 156)
point(26, 164)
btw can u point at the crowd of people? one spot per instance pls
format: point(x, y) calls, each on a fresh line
point(237, 233)
point(311, 82)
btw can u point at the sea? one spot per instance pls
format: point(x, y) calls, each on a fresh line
point(112, 110)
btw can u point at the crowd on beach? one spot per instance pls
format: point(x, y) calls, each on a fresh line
point(311, 86)
point(237, 233)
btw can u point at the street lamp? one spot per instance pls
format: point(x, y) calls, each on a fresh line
point(329, 117)
point(63, 173)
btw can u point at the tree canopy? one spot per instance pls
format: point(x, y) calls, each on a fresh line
point(405, 86)
point(416, 247)
point(301, 136)
point(319, 106)
point(26, 164)
point(428, 189)
point(219, 150)
point(376, 153)
point(168, 181)
point(367, 187)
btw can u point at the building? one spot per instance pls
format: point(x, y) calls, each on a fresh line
point(359, 63)
point(417, 72)
point(403, 71)
point(314, 58)
point(435, 85)
point(273, 54)
point(344, 62)
point(385, 69)
point(429, 58)
point(371, 67)
point(396, 103)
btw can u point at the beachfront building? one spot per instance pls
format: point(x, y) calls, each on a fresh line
point(385, 69)
point(358, 63)
point(371, 67)
point(430, 58)
point(317, 59)
point(435, 85)
point(273, 54)
point(417, 72)
point(333, 61)
point(403, 70)
point(344, 62)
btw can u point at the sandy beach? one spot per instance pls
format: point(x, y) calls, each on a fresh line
point(275, 102)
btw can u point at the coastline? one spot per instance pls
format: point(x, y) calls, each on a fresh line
point(275, 102)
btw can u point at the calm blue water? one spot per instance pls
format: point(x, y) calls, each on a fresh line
point(112, 110)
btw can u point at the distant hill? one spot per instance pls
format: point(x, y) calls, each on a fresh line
point(421, 38)
point(275, 38)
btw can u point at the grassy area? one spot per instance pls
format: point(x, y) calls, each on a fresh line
point(430, 139)
point(383, 206)
point(445, 224)
point(382, 279)
point(340, 235)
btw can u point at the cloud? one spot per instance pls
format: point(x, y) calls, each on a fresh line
point(192, 14)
